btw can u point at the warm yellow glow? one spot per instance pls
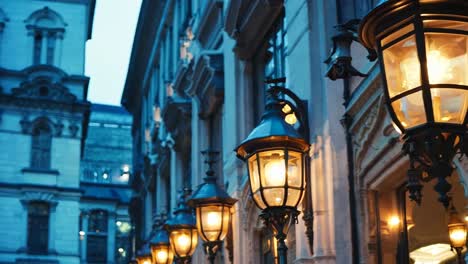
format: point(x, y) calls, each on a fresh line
point(146, 262)
point(466, 218)
point(183, 242)
point(161, 256)
point(394, 221)
point(275, 171)
point(291, 119)
point(213, 220)
point(457, 235)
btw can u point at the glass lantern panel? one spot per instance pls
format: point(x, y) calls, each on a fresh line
point(272, 168)
point(457, 235)
point(410, 110)
point(144, 260)
point(183, 241)
point(449, 105)
point(294, 169)
point(210, 221)
point(402, 68)
point(293, 197)
point(258, 199)
point(447, 58)
point(274, 196)
point(226, 222)
point(397, 34)
point(253, 173)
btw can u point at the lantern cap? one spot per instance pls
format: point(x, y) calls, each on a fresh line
point(145, 251)
point(160, 235)
point(389, 13)
point(273, 130)
point(209, 192)
point(183, 215)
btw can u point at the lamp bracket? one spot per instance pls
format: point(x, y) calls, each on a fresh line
point(298, 106)
point(339, 60)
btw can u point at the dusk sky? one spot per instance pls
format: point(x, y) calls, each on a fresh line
point(108, 51)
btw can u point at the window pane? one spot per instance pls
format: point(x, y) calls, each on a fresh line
point(449, 105)
point(98, 222)
point(96, 249)
point(40, 146)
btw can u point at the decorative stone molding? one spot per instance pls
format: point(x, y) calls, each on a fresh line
point(45, 18)
point(183, 78)
point(43, 88)
point(208, 84)
point(248, 22)
point(32, 196)
point(25, 124)
point(73, 127)
point(210, 28)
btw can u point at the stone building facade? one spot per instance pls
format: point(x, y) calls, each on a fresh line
point(196, 81)
point(52, 206)
point(105, 226)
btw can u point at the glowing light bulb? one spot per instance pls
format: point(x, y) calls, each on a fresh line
point(161, 256)
point(146, 262)
point(458, 235)
point(394, 221)
point(213, 219)
point(275, 172)
point(183, 242)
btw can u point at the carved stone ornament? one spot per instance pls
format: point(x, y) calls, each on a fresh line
point(177, 115)
point(25, 124)
point(44, 88)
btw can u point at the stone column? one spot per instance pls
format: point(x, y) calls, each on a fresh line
point(111, 238)
point(58, 49)
point(84, 238)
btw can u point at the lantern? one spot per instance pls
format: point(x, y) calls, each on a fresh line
point(182, 230)
point(276, 153)
point(161, 250)
point(213, 209)
point(144, 255)
point(423, 50)
point(457, 233)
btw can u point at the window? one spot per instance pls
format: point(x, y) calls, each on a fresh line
point(276, 53)
point(122, 242)
point(38, 228)
point(96, 247)
point(40, 146)
point(47, 28)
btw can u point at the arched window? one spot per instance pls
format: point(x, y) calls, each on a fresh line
point(96, 247)
point(41, 146)
point(47, 28)
point(38, 228)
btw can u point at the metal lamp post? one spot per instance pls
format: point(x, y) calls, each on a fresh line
point(161, 250)
point(144, 255)
point(457, 233)
point(182, 231)
point(276, 155)
point(213, 209)
point(422, 47)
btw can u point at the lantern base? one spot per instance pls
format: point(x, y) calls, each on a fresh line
point(433, 151)
point(279, 219)
point(211, 249)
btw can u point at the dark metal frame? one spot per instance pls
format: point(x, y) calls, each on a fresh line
point(432, 145)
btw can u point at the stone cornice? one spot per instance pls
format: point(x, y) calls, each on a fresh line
point(248, 22)
point(211, 24)
point(208, 83)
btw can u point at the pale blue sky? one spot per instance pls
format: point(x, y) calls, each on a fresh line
point(108, 51)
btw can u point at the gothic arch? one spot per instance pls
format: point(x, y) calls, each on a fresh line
point(45, 18)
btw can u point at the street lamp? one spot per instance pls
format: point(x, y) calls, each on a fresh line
point(160, 246)
point(276, 154)
point(457, 233)
point(422, 46)
point(182, 231)
point(213, 207)
point(144, 255)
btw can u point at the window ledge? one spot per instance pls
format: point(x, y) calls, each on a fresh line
point(41, 171)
